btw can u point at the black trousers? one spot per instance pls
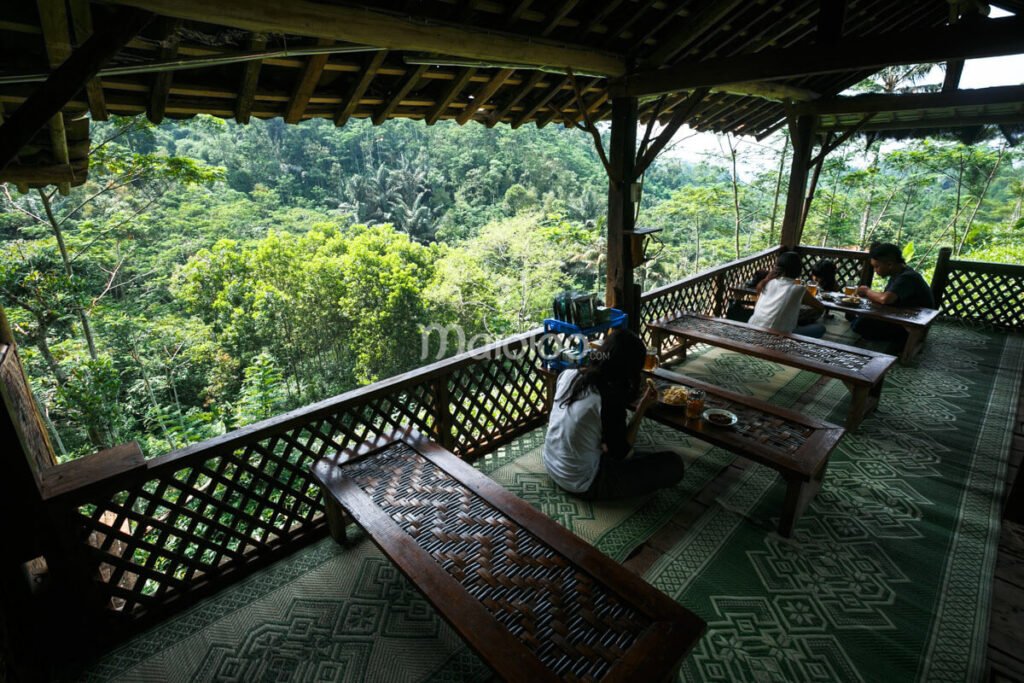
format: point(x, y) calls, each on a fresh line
point(639, 474)
point(879, 330)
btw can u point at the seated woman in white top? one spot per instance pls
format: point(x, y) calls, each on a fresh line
point(588, 446)
point(778, 306)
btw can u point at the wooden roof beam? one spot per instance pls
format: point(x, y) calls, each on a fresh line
point(944, 122)
point(559, 109)
point(541, 103)
point(695, 26)
point(161, 89)
point(81, 22)
point(635, 13)
point(966, 40)
point(39, 176)
point(517, 11)
point(526, 89)
point(54, 22)
point(360, 25)
point(558, 15)
point(250, 80)
point(456, 87)
point(351, 100)
point(69, 78)
point(480, 98)
point(306, 85)
point(410, 82)
point(862, 104)
point(767, 90)
point(606, 8)
point(831, 16)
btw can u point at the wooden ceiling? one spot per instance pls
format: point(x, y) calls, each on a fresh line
point(512, 62)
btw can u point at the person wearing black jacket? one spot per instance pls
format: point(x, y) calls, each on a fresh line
point(906, 288)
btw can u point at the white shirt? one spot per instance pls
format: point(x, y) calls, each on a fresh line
point(778, 307)
point(572, 446)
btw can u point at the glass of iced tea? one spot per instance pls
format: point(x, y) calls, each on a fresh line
point(694, 403)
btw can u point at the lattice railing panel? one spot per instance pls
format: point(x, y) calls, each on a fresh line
point(849, 264)
point(193, 517)
point(487, 400)
point(705, 293)
point(989, 298)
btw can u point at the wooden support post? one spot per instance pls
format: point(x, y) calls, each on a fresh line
point(69, 78)
point(443, 413)
point(161, 89)
point(622, 156)
point(801, 131)
point(940, 278)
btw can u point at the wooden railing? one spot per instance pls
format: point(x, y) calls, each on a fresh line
point(983, 294)
point(146, 537)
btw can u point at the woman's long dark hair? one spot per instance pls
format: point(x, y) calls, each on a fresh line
point(617, 367)
point(825, 271)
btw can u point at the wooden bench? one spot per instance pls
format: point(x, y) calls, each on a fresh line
point(796, 445)
point(533, 600)
point(861, 370)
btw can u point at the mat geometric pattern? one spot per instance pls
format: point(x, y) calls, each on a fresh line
point(328, 613)
point(889, 572)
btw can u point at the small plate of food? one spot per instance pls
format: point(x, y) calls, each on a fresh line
point(850, 301)
point(720, 417)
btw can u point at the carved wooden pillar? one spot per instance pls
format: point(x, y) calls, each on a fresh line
point(620, 291)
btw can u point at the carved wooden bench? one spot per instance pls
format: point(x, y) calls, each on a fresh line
point(532, 599)
point(797, 446)
point(861, 370)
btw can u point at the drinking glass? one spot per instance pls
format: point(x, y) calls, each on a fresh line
point(850, 289)
point(694, 403)
point(651, 360)
point(812, 289)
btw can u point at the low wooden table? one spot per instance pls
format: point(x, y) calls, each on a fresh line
point(532, 599)
point(861, 370)
point(797, 446)
point(916, 321)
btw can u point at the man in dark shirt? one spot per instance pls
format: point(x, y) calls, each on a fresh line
point(906, 289)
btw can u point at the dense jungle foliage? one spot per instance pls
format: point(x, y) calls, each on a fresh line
point(209, 275)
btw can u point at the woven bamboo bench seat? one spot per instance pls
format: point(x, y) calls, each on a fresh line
point(861, 370)
point(797, 446)
point(531, 598)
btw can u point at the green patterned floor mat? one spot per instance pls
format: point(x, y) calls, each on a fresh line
point(888, 576)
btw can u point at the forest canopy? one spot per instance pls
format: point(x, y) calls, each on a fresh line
point(210, 274)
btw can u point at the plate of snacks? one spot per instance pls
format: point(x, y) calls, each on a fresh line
point(850, 301)
point(719, 417)
point(673, 396)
